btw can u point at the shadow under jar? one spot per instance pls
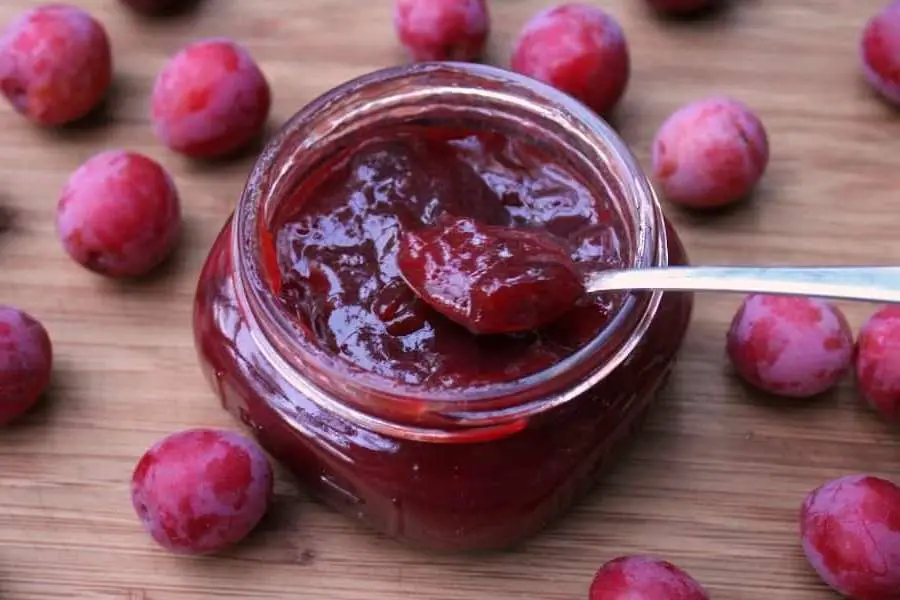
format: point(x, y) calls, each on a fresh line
point(382, 407)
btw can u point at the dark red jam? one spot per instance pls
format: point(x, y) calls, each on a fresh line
point(333, 264)
point(338, 240)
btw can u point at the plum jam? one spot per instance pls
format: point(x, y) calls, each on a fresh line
point(377, 394)
point(337, 247)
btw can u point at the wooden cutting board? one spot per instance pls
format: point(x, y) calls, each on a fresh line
point(715, 482)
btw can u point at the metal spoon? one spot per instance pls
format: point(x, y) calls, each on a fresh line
point(867, 284)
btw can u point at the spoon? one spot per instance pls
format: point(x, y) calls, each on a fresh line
point(866, 284)
point(494, 279)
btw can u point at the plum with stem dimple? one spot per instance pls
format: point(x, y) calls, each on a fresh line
point(210, 99)
point(709, 153)
point(119, 214)
point(55, 64)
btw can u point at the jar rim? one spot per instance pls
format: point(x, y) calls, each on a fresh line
point(498, 403)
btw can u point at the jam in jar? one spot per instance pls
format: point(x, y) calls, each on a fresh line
point(381, 405)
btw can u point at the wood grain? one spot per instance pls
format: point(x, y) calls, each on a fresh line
point(714, 484)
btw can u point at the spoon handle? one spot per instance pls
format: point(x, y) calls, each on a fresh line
point(873, 284)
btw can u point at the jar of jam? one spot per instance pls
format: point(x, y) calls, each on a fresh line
point(382, 407)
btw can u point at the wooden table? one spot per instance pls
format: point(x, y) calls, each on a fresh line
point(714, 484)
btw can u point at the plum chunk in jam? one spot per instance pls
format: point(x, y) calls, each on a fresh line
point(340, 242)
point(487, 278)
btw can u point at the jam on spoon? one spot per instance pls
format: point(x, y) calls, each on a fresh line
point(488, 278)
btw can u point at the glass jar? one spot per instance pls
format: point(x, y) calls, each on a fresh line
point(471, 470)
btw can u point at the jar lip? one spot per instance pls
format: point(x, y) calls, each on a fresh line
point(480, 404)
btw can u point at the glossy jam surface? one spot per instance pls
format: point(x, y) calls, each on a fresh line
point(337, 245)
point(333, 263)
